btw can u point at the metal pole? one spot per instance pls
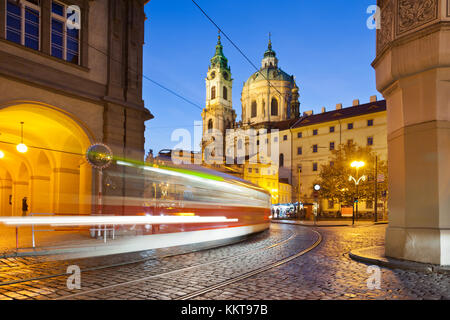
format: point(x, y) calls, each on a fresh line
point(32, 236)
point(376, 187)
point(100, 200)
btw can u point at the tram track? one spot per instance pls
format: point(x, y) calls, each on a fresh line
point(216, 286)
point(169, 273)
point(254, 272)
point(136, 261)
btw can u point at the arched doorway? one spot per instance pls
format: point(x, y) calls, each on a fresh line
point(53, 173)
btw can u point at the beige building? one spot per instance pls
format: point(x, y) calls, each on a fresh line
point(66, 83)
point(309, 143)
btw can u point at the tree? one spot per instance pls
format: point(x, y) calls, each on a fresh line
point(334, 177)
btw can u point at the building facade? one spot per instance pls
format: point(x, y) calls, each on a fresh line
point(309, 142)
point(70, 76)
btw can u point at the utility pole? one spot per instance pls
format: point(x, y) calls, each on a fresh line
point(376, 188)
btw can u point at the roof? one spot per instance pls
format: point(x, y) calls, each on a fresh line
point(354, 111)
point(270, 73)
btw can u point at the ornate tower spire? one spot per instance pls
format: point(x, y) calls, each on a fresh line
point(270, 60)
point(219, 59)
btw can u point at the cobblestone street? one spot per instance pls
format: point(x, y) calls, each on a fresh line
point(326, 272)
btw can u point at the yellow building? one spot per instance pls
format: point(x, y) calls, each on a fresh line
point(309, 142)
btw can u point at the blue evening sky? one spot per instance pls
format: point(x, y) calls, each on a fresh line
point(325, 44)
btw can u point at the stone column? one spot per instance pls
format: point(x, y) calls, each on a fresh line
point(413, 74)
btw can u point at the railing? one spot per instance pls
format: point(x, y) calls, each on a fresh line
point(99, 229)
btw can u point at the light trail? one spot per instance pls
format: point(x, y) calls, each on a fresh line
point(110, 220)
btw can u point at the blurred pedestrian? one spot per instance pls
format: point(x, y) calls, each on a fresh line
point(24, 207)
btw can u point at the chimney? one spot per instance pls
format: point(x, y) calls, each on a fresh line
point(324, 110)
point(356, 102)
point(373, 99)
point(339, 106)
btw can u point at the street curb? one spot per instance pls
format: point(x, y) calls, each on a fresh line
point(324, 226)
point(392, 263)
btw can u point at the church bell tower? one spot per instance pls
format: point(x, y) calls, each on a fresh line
point(218, 115)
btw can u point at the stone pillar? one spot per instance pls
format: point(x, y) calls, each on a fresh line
point(413, 74)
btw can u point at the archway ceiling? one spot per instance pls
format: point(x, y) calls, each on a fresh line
point(42, 129)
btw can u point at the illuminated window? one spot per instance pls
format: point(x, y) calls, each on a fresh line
point(23, 23)
point(65, 38)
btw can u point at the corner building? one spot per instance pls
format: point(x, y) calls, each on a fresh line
point(69, 87)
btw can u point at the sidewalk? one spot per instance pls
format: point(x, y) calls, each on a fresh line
point(329, 223)
point(376, 255)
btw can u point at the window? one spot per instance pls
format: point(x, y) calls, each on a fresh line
point(285, 137)
point(299, 168)
point(281, 160)
point(369, 204)
point(349, 126)
point(299, 150)
point(299, 135)
point(225, 93)
point(331, 163)
point(370, 123)
point(315, 132)
point(65, 38)
point(349, 142)
point(275, 139)
point(254, 108)
point(315, 166)
point(331, 146)
point(240, 144)
point(210, 125)
point(330, 204)
point(23, 23)
point(332, 129)
point(249, 170)
point(315, 148)
point(213, 93)
point(370, 141)
point(274, 107)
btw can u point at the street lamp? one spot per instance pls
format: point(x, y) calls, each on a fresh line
point(356, 165)
point(21, 147)
point(2, 154)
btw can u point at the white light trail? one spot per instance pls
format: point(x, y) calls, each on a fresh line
point(109, 220)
